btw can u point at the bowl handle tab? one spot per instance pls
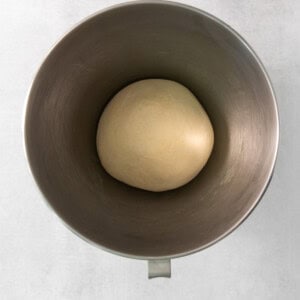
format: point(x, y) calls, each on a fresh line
point(159, 268)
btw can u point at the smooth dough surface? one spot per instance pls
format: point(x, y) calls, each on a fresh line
point(155, 135)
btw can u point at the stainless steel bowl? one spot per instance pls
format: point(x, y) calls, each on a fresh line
point(129, 42)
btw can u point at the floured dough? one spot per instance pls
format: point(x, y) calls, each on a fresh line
point(154, 135)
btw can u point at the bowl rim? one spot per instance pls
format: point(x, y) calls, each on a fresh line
point(226, 27)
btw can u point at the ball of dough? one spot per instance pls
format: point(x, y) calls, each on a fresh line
point(155, 135)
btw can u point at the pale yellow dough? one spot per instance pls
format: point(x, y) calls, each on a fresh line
point(154, 135)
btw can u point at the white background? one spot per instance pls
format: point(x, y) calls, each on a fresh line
point(41, 259)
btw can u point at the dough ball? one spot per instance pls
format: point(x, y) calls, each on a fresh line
point(154, 135)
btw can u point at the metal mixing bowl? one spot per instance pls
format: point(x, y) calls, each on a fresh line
point(115, 47)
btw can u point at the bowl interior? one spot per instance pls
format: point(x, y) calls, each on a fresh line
point(102, 55)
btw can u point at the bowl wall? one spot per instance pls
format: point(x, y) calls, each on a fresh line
point(102, 55)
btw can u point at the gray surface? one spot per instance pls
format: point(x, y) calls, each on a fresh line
point(41, 259)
